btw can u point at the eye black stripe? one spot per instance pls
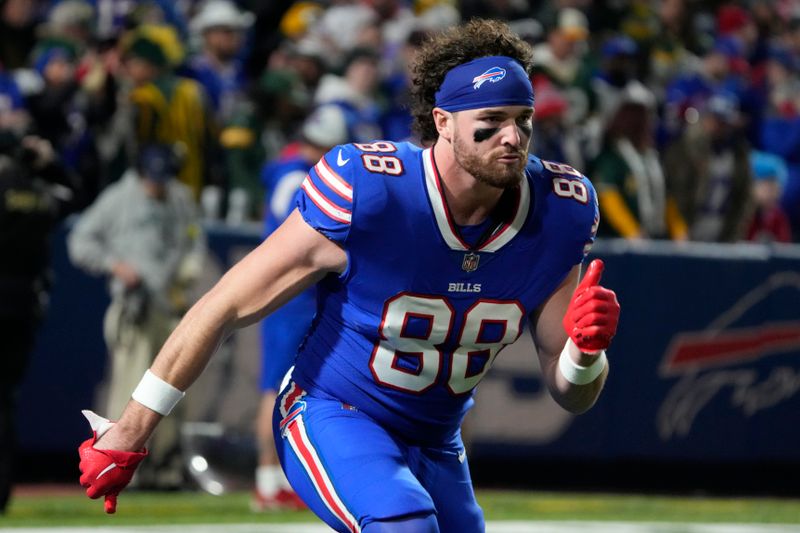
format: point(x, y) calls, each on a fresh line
point(481, 134)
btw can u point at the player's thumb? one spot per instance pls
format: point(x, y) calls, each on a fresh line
point(593, 275)
point(111, 503)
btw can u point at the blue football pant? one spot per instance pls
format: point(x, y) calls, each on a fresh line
point(352, 472)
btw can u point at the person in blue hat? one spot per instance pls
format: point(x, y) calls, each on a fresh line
point(427, 262)
point(770, 222)
point(615, 80)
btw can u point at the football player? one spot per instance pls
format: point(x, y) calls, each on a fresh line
point(427, 263)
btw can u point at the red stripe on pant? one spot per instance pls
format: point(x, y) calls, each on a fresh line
point(316, 472)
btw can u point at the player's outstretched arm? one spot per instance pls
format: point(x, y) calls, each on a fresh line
point(572, 330)
point(294, 257)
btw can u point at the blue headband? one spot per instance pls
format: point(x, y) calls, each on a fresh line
point(485, 82)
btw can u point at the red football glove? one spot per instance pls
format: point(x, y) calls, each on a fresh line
point(105, 472)
point(593, 313)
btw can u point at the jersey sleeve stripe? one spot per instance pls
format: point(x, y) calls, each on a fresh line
point(334, 180)
point(326, 206)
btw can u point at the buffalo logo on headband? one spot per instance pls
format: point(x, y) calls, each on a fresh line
point(458, 93)
point(493, 75)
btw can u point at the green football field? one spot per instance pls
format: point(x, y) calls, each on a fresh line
point(62, 509)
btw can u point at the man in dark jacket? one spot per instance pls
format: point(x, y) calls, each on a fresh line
point(34, 197)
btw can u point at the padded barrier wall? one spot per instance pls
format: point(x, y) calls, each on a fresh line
point(706, 364)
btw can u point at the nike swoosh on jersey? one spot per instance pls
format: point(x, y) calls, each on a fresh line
point(341, 162)
point(106, 470)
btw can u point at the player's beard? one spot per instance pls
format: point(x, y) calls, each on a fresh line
point(486, 169)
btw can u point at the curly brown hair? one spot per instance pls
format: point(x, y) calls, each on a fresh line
point(460, 44)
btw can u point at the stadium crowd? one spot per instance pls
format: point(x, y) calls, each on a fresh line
point(683, 113)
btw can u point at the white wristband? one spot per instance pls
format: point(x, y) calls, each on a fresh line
point(577, 374)
point(156, 394)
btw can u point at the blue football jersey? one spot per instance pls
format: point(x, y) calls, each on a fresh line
point(409, 329)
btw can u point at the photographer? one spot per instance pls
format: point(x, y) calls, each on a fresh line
point(35, 195)
point(143, 233)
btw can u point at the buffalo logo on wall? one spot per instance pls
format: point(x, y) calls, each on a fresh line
point(740, 355)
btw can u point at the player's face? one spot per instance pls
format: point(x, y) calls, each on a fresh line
point(492, 143)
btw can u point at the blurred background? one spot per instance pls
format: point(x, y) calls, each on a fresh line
point(685, 115)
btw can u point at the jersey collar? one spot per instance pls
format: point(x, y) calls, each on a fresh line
point(501, 235)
